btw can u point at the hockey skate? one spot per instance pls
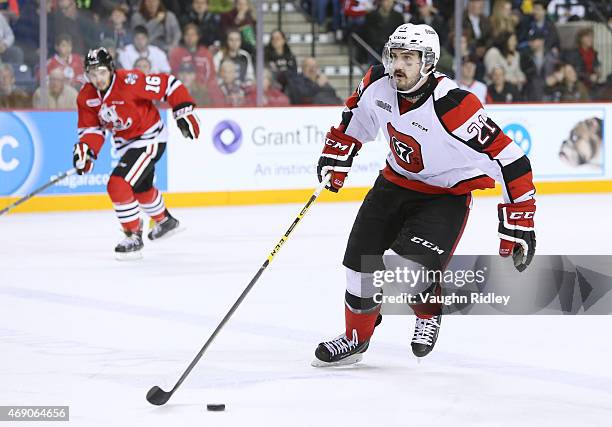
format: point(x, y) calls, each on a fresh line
point(425, 335)
point(130, 247)
point(340, 351)
point(165, 228)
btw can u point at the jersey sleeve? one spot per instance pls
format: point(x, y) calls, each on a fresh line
point(481, 139)
point(90, 131)
point(358, 119)
point(162, 87)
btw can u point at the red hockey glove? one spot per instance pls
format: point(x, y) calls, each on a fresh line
point(337, 158)
point(83, 158)
point(516, 231)
point(187, 121)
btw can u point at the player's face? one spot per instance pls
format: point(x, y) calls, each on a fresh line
point(406, 66)
point(100, 78)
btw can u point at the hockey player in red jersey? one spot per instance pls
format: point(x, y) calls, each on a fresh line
point(121, 102)
point(442, 146)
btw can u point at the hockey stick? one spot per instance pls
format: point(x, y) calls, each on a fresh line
point(156, 395)
point(38, 190)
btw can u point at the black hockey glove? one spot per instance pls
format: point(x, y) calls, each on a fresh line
point(516, 231)
point(187, 121)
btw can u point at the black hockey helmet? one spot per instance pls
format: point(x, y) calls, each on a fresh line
point(99, 57)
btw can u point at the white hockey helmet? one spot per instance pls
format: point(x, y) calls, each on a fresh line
point(421, 38)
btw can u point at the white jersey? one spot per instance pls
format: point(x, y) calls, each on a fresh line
point(443, 143)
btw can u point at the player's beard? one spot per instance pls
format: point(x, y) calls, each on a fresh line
point(405, 83)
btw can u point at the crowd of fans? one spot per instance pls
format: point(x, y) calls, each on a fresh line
point(511, 49)
point(208, 44)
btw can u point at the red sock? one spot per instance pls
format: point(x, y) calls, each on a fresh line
point(363, 323)
point(126, 206)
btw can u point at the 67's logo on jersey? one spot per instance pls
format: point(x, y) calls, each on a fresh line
point(406, 150)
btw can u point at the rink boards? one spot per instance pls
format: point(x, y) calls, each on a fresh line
point(269, 155)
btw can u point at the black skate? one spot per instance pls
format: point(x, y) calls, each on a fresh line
point(425, 335)
point(165, 228)
point(340, 351)
point(130, 247)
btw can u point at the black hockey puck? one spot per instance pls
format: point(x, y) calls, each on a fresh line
point(215, 407)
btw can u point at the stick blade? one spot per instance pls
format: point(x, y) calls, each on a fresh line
point(156, 396)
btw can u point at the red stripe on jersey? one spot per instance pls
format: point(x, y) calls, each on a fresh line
point(465, 187)
point(352, 100)
point(521, 185)
point(456, 117)
point(500, 142)
point(404, 105)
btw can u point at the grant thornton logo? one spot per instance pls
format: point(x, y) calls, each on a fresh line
point(227, 136)
point(17, 153)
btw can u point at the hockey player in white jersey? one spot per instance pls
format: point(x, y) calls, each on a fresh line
point(442, 146)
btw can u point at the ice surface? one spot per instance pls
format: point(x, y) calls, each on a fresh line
point(81, 329)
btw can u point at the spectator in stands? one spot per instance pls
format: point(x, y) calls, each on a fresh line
point(26, 31)
point(231, 51)
point(537, 64)
point(379, 24)
point(8, 52)
point(161, 24)
point(502, 19)
point(311, 86)
point(563, 85)
point(191, 51)
point(117, 28)
point(76, 22)
point(427, 13)
point(467, 79)
point(204, 94)
point(143, 64)
point(355, 12)
point(336, 14)
point(69, 63)
point(272, 96)
point(242, 18)
point(142, 48)
point(539, 21)
point(10, 9)
point(232, 88)
point(503, 54)
point(478, 26)
point(279, 58)
point(104, 8)
point(584, 58)
point(208, 23)
point(10, 95)
point(500, 90)
point(60, 95)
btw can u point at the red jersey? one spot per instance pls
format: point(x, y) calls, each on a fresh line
point(202, 60)
point(127, 110)
point(73, 68)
